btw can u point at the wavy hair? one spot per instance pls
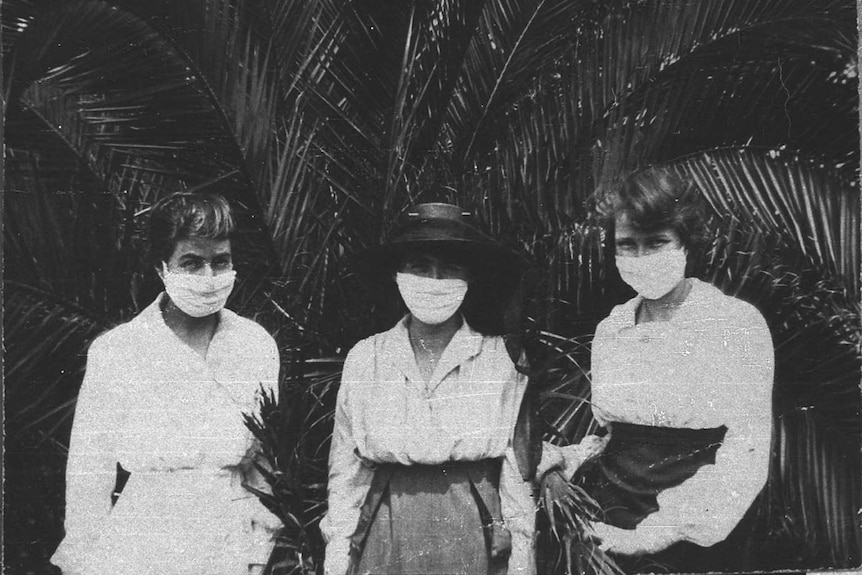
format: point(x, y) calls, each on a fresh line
point(653, 199)
point(184, 215)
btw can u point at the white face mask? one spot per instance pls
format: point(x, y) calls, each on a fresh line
point(654, 275)
point(430, 300)
point(197, 295)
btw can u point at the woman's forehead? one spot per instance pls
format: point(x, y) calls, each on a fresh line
point(442, 254)
point(429, 258)
point(624, 226)
point(202, 246)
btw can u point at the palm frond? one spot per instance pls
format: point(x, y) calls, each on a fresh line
point(815, 208)
point(292, 432)
point(41, 393)
point(322, 120)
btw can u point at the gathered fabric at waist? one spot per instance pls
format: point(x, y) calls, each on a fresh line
point(204, 472)
point(169, 490)
point(179, 522)
point(641, 461)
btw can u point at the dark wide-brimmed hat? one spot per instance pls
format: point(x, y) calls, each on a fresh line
point(436, 227)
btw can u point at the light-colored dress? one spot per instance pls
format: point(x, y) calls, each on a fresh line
point(466, 412)
point(711, 365)
point(174, 420)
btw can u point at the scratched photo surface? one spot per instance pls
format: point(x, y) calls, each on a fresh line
point(668, 374)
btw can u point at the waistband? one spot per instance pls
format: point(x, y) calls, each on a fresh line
point(206, 472)
point(635, 433)
point(481, 467)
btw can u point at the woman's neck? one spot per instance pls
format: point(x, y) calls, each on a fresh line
point(664, 308)
point(196, 332)
point(429, 341)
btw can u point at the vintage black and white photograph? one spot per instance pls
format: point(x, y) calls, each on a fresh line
point(431, 287)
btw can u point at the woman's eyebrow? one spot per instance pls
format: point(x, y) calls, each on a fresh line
point(191, 257)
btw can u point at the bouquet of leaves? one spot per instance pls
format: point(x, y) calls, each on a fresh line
point(566, 541)
point(570, 512)
point(292, 436)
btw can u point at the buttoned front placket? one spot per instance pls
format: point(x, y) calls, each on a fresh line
point(430, 411)
point(465, 344)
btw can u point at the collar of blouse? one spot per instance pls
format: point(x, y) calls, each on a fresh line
point(464, 345)
point(699, 294)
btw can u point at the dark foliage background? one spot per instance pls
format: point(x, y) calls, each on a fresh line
point(322, 120)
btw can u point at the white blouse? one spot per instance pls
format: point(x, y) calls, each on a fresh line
point(174, 420)
point(710, 365)
point(386, 413)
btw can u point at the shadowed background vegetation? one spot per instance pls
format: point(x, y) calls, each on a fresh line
point(322, 120)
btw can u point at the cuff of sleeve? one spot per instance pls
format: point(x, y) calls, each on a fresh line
point(260, 530)
point(569, 458)
point(703, 535)
point(652, 539)
point(710, 529)
point(552, 458)
point(71, 556)
point(262, 542)
point(522, 560)
point(337, 558)
point(264, 521)
point(589, 447)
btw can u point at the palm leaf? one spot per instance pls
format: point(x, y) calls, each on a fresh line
point(322, 120)
point(292, 432)
point(782, 52)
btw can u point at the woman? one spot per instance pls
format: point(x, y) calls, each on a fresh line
point(423, 477)
point(682, 381)
point(163, 397)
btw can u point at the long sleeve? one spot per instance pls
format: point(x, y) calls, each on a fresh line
point(264, 523)
point(271, 366)
point(349, 479)
point(568, 458)
point(519, 513)
point(706, 508)
point(601, 360)
point(92, 461)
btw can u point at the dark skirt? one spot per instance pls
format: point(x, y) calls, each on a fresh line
point(638, 463)
point(426, 520)
point(641, 461)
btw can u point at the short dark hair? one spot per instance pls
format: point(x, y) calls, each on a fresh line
point(656, 198)
point(184, 215)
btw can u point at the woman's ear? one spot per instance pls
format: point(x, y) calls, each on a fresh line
point(160, 271)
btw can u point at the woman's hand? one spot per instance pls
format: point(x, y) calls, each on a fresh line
point(558, 496)
point(632, 541)
point(552, 460)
